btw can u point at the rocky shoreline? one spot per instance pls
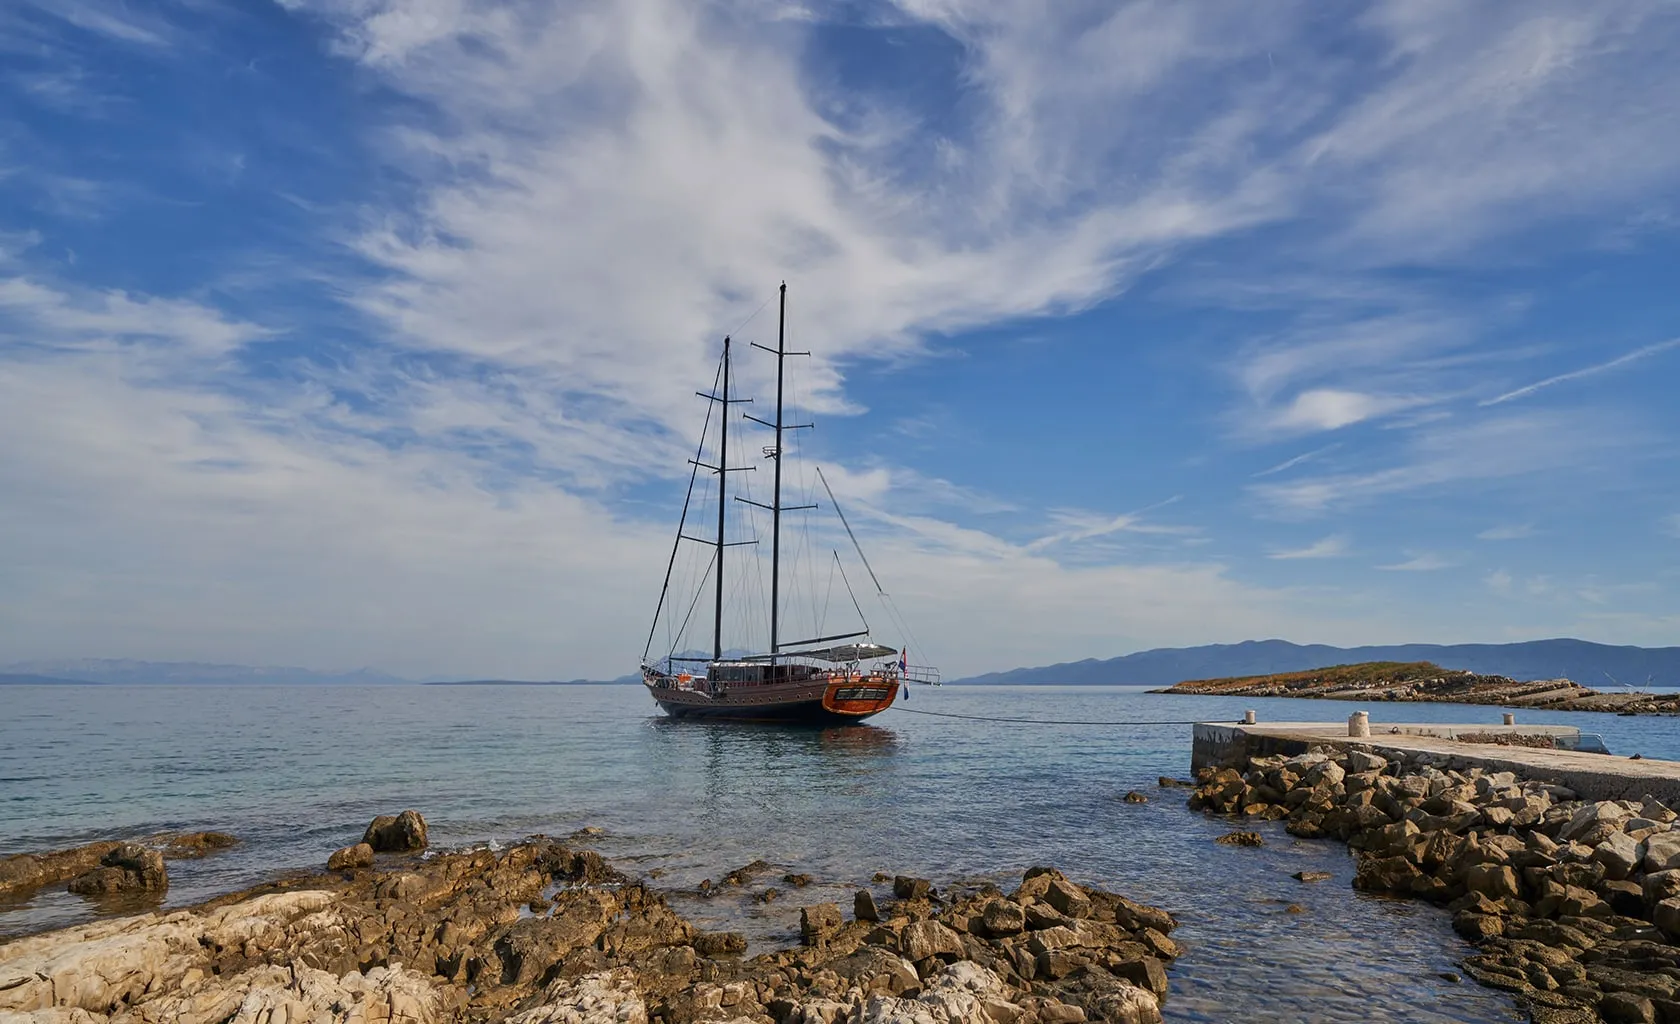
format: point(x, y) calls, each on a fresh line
point(1573, 905)
point(544, 933)
point(1426, 682)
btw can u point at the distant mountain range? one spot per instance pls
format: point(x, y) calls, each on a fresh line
point(128, 671)
point(1596, 665)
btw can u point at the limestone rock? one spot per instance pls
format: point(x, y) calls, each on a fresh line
point(1493, 880)
point(1360, 761)
point(908, 888)
point(1241, 839)
point(1666, 916)
point(396, 834)
point(1003, 917)
point(194, 845)
point(350, 857)
point(817, 922)
point(1068, 898)
point(923, 939)
point(129, 867)
point(716, 944)
point(1604, 812)
point(1619, 854)
point(1662, 852)
point(863, 906)
point(26, 871)
point(606, 998)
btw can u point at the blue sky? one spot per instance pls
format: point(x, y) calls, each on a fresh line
point(353, 332)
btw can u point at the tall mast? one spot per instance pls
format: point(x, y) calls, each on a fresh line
point(776, 499)
point(775, 452)
point(723, 483)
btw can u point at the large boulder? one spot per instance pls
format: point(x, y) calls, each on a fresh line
point(1666, 916)
point(922, 939)
point(1619, 854)
point(1591, 816)
point(1662, 852)
point(128, 868)
point(396, 834)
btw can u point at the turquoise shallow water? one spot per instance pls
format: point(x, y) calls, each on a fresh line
point(297, 772)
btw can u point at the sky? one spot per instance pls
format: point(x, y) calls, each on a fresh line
point(343, 333)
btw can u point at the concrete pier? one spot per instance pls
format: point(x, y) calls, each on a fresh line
point(1594, 776)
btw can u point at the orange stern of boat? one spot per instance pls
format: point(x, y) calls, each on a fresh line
point(866, 696)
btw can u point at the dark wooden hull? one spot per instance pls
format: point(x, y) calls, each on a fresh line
point(815, 703)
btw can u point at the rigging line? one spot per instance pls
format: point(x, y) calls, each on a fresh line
point(828, 593)
point(904, 624)
point(753, 317)
point(862, 617)
point(699, 591)
point(849, 532)
point(1027, 721)
point(692, 474)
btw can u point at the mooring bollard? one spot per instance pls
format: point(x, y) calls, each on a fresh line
point(1359, 724)
point(1510, 719)
point(1248, 718)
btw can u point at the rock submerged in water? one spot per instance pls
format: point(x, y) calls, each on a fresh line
point(1241, 839)
point(128, 868)
point(349, 858)
point(25, 872)
point(402, 833)
point(194, 845)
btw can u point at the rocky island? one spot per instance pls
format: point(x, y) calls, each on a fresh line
point(1426, 681)
point(544, 933)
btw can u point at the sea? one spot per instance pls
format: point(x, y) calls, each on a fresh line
point(298, 771)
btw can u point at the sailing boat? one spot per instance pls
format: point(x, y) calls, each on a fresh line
point(841, 677)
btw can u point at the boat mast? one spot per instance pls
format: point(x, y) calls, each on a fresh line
point(776, 499)
point(723, 483)
point(775, 452)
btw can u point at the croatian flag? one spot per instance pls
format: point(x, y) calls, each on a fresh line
point(904, 661)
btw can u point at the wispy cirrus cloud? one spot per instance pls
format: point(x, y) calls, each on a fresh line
point(1637, 354)
point(1459, 454)
point(1510, 531)
point(1424, 561)
point(1333, 546)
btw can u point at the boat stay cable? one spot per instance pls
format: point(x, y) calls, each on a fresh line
point(693, 474)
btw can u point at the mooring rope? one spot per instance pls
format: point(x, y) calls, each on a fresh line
point(1029, 721)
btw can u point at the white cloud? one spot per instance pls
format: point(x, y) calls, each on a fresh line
point(1509, 531)
point(1589, 371)
point(1422, 562)
point(1291, 463)
point(1462, 454)
point(1331, 409)
point(1500, 582)
point(1333, 546)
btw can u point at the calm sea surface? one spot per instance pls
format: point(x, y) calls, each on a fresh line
point(296, 772)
